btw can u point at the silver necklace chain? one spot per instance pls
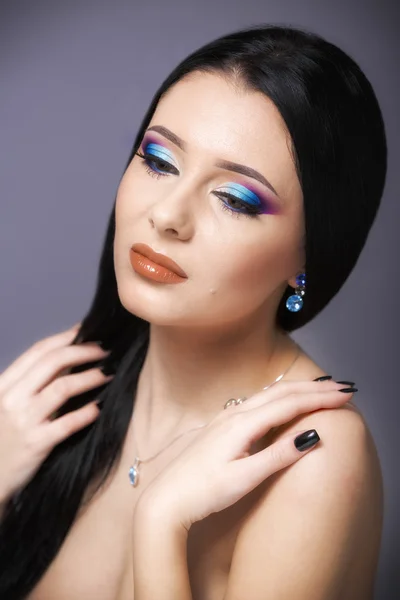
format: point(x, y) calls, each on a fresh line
point(134, 469)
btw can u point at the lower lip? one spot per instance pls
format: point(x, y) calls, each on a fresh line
point(146, 267)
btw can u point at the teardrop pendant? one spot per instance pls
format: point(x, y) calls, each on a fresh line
point(134, 472)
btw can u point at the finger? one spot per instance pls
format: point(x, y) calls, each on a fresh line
point(259, 421)
point(27, 359)
point(47, 368)
point(54, 432)
point(63, 388)
point(254, 469)
point(282, 389)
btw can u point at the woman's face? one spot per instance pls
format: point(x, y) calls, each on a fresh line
point(239, 240)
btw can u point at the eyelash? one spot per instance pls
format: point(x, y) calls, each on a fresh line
point(148, 158)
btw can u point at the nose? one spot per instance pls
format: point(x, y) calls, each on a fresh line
point(172, 215)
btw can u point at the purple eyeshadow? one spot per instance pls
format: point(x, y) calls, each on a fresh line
point(249, 195)
point(244, 191)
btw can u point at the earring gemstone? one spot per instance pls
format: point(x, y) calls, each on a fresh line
point(301, 280)
point(294, 303)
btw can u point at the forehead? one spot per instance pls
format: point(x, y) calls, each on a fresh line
point(210, 111)
point(217, 118)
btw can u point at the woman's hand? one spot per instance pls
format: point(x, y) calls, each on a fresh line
point(31, 390)
point(216, 469)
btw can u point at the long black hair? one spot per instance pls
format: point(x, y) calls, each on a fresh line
point(339, 149)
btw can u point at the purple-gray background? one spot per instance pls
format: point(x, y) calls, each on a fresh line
point(75, 81)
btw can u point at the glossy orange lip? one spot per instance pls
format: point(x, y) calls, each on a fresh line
point(158, 258)
point(145, 267)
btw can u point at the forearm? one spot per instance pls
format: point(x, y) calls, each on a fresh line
point(159, 559)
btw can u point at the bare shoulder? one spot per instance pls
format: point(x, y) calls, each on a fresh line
point(346, 454)
point(325, 509)
point(344, 464)
point(345, 435)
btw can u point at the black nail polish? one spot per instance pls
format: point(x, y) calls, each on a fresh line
point(101, 343)
point(348, 390)
point(347, 382)
point(323, 378)
point(306, 440)
point(108, 368)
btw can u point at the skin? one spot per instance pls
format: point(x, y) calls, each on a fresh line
point(213, 336)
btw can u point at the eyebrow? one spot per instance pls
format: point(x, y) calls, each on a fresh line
point(223, 164)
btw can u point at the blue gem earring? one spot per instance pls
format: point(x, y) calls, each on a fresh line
point(295, 302)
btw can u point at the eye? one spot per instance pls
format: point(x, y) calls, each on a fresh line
point(156, 167)
point(239, 208)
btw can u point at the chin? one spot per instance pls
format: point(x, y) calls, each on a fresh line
point(154, 311)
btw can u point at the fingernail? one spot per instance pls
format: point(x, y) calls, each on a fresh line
point(108, 369)
point(99, 343)
point(347, 382)
point(323, 378)
point(306, 440)
point(348, 390)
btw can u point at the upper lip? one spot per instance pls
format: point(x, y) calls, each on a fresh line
point(160, 259)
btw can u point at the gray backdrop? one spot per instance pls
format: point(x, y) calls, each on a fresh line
point(75, 81)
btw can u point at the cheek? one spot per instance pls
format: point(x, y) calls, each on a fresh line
point(131, 191)
point(250, 263)
point(121, 201)
point(249, 273)
point(125, 216)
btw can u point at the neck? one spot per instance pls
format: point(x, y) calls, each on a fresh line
point(187, 376)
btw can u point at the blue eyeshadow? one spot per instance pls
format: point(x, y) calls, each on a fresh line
point(160, 152)
point(243, 193)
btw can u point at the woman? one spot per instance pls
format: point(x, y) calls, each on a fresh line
point(252, 183)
